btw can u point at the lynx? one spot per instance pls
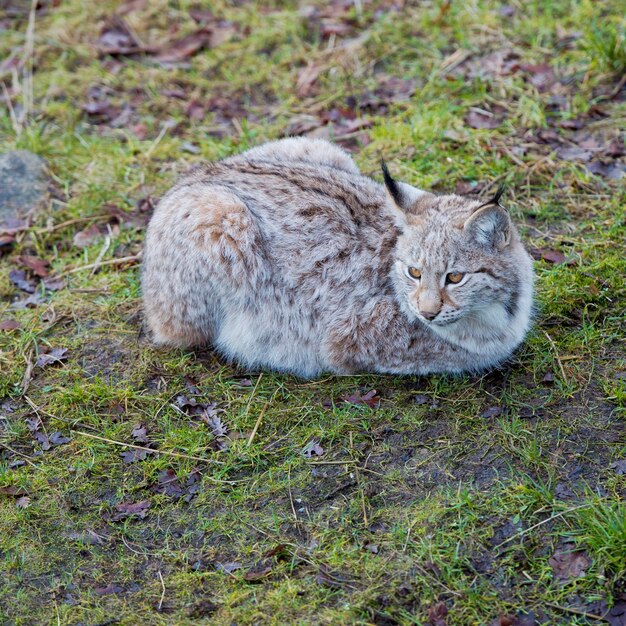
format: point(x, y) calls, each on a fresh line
point(286, 257)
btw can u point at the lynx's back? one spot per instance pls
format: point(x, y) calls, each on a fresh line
point(285, 257)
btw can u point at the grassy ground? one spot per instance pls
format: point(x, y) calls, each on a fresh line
point(492, 500)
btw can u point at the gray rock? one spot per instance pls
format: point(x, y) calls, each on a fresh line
point(24, 183)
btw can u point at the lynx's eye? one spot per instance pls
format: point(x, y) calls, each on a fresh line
point(454, 277)
point(414, 272)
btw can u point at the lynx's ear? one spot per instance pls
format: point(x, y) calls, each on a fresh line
point(490, 226)
point(404, 197)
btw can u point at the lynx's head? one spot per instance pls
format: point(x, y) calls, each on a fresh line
point(460, 267)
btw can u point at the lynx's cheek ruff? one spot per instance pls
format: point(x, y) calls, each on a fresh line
point(286, 257)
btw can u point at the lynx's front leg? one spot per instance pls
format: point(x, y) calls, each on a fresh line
point(203, 250)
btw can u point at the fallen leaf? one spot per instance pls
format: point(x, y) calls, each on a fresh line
point(201, 16)
point(491, 412)
point(542, 76)
point(206, 37)
point(214, 422)
point(169, 484)
point(139, 434)
point(437, 614)
point(137, 218)
point(10, 324)
point(331, 27)
point(13, 490)
point(371, 399)
point(116, 38)
point(40, 267)
point(180, 49)
point(140, 130)
point(28, 303)
point(13, 225)
point(54, 284)
point(280, 551)
point(131, 5)
point(86, 237)
point(196, 110)
point(6, 243)
point(567, 564)
point(257, 573)
point(524, 619)
point(305, 80)
point(228, 568)
point(548, 254)
point(133, 455)
point(101, 111)
point(108, 590)
point(502, 62)
point(203, 608)
point(54, 355)
point(616, 616)
point(613, 171)
point(130, 509)
point(619, 467)
point(464, 188)
point(19, 279)
point(312, 449)
point(58, 439)
point(482, 119)
point(615, 148)
point(573, 154)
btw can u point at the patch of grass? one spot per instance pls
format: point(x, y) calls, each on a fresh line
point(454, 490)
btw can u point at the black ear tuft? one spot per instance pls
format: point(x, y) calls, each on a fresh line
point(391, 184)
point(496, 199)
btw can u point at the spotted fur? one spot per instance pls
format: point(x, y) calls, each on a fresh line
point(286, 257)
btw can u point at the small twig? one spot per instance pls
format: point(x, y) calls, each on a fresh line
point(408, 535)
point(77, 220)
point(567, 609)
point(103, 251)
point(541, 523)
point(178, 455)
point(28, 373)
point(556, 356)
point(38, 410)
point(145, 553)
point(257, 424)
point(346, 462)
point(158, 139)
point(258, 380)
point(17, 128)
point(163, 592)
point(120, 261)
point(618, 87)
point(358, 482)
point(436, 580)
point(24, 456)
point(293, 508)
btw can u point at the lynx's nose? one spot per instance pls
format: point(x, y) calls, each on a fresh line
point(429, 315)
point(429, 304)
